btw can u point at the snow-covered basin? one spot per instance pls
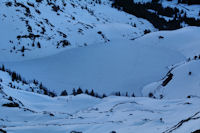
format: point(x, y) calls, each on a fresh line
point(120, 65)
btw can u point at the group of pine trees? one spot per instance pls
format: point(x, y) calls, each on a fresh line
point(15, 77)
point(142, 10)
point(92, 93)
point(189, 2)
point(196, 57)
point(80, 91)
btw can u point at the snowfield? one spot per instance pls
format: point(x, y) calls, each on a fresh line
point(184, 81)
point(47, 27)
point(82, 113)
point(120, 65)
point(47, 46)
point(175, 109)
point(107, 67)
point(85, 114)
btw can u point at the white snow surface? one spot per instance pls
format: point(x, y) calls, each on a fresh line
point(80, 23)
point(86, 114)
point(83, 113)
point(182, 84)
point(107, 54)
point(119, 65)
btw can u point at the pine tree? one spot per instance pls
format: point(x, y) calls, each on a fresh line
point(86, 92)
point(92, 93)
point(38, 45)
point(35, 82)
point(104, 95)
point(14, 76)
point(150, 94)
point(74, 92)
point(23, 49)
point(117, 94)
point(79, 91)
point(41, 86)
point(3, 68)
point(64, 93)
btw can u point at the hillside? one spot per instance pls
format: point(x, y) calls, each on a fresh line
point(86, 114)
point(115, 61)
point(163, 14)
point(99, 66)
point(184, 78)
point(33, 29)
point(121, 65)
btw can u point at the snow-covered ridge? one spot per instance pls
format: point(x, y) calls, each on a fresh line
point(32, 28)
point(181, 81)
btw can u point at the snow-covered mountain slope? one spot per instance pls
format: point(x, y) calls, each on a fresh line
point(85, 114)
point(121, 65)
point(184, 41)
point(23, 110)
point(11, 79)
point(190, 10)
point(181, 81)
point(69, 44)
point(39, 28)
point(105, 68)
point(117, 60)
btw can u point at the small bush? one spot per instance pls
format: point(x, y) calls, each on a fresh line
point(146, 31)
point(190, 73)
point(150, 94)
point(160, 37)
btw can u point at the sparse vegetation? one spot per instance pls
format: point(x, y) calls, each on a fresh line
point(141, 10)
point(15, 77)
point(13, 104)
point(189, 73)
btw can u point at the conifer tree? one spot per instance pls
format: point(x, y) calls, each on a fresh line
point(64, 93)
